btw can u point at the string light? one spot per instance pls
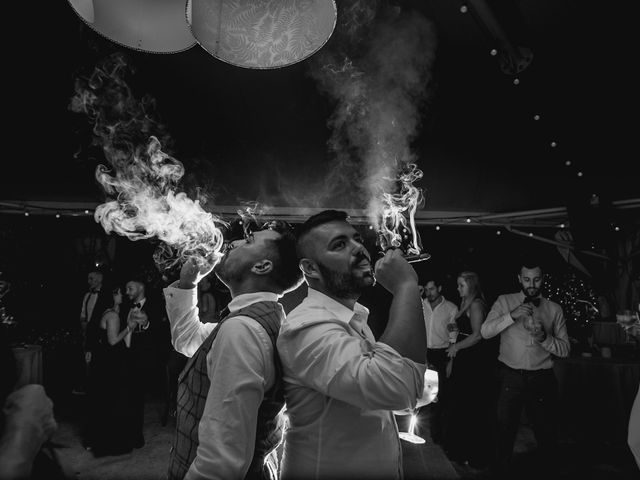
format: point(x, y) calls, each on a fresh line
point(536, 117)
point(57, 215)
point(498, 232)
point(553, 144)
point(26, 214)
point(568, 163)
point(616, 228)
point(516, 81)
point(437, 227)
point(493, 52)
point(468, 220)
point(86, 212)
point(580, 174)
point(464, 9)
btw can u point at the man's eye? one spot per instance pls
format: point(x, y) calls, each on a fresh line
point(338, 245)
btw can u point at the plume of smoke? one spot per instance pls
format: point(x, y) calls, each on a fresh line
point(377, 70)
point(141, 181)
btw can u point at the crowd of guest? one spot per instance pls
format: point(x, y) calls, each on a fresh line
point(493, 362)
point(225, 382)
point(124, 355)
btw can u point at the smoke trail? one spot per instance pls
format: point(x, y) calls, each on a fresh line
point(142, 179)
point(377, 70)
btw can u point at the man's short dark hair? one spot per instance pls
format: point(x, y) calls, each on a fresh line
point(530, 261)
point(437, 281)
point(286, 272)
point(326, 216)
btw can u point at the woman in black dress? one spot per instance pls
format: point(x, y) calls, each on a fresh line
point(468, 437)
point(108, 401)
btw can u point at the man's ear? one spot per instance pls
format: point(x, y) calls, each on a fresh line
point(309, 268)
point(263, 267)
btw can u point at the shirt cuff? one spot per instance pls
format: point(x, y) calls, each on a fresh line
point(507, 321)
point(180, 295)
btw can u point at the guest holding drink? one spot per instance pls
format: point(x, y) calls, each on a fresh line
point(468, 397)
point(532, 331)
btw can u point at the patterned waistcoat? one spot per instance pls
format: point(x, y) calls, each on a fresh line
point(194, 384)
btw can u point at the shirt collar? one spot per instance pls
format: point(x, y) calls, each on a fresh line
point(246, 299)
point(342, 313)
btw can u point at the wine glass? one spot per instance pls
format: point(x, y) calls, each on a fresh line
point(429, 395)
point(410, 435)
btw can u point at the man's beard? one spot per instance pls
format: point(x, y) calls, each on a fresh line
point(530, 292)
point(343, 285)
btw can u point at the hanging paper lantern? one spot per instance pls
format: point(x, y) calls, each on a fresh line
point(154, 26)
point(262, 33)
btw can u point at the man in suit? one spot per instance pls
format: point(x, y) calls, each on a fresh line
point(94, 302)
point(144, 317)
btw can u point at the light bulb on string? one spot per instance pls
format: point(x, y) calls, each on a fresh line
point(553, 144)
point(568, 163)
point(26, 214)
point(464, 9)
point(536, 117)
point(57, 215)
point(580, 174)
point(493, 52)
point(437, 227)
point(516, 81)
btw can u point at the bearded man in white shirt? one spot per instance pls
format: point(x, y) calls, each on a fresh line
point(230, 391)
point(532, 331)
point(341, 385)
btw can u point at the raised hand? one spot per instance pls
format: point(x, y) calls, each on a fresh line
point(521, 311)
point(393, 271)
point(193, 271)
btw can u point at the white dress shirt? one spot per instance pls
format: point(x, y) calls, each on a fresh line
point(240, 369)
point(436, 320)
point(517, 347)
point(341, 387)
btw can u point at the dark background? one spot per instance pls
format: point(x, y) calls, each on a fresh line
point(236, 130)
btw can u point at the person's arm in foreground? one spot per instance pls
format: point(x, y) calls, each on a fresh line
point(181, 298)
point(405, 331)
point(28, 423)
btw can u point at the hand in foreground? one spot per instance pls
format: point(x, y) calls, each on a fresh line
point(29, 409)
point(193, 271)
point(393, 272)
point(521, 311)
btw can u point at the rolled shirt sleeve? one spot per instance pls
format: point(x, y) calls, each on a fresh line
point(498, 319)
point(355, 370)
point(187, 331)
point(557, 342)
